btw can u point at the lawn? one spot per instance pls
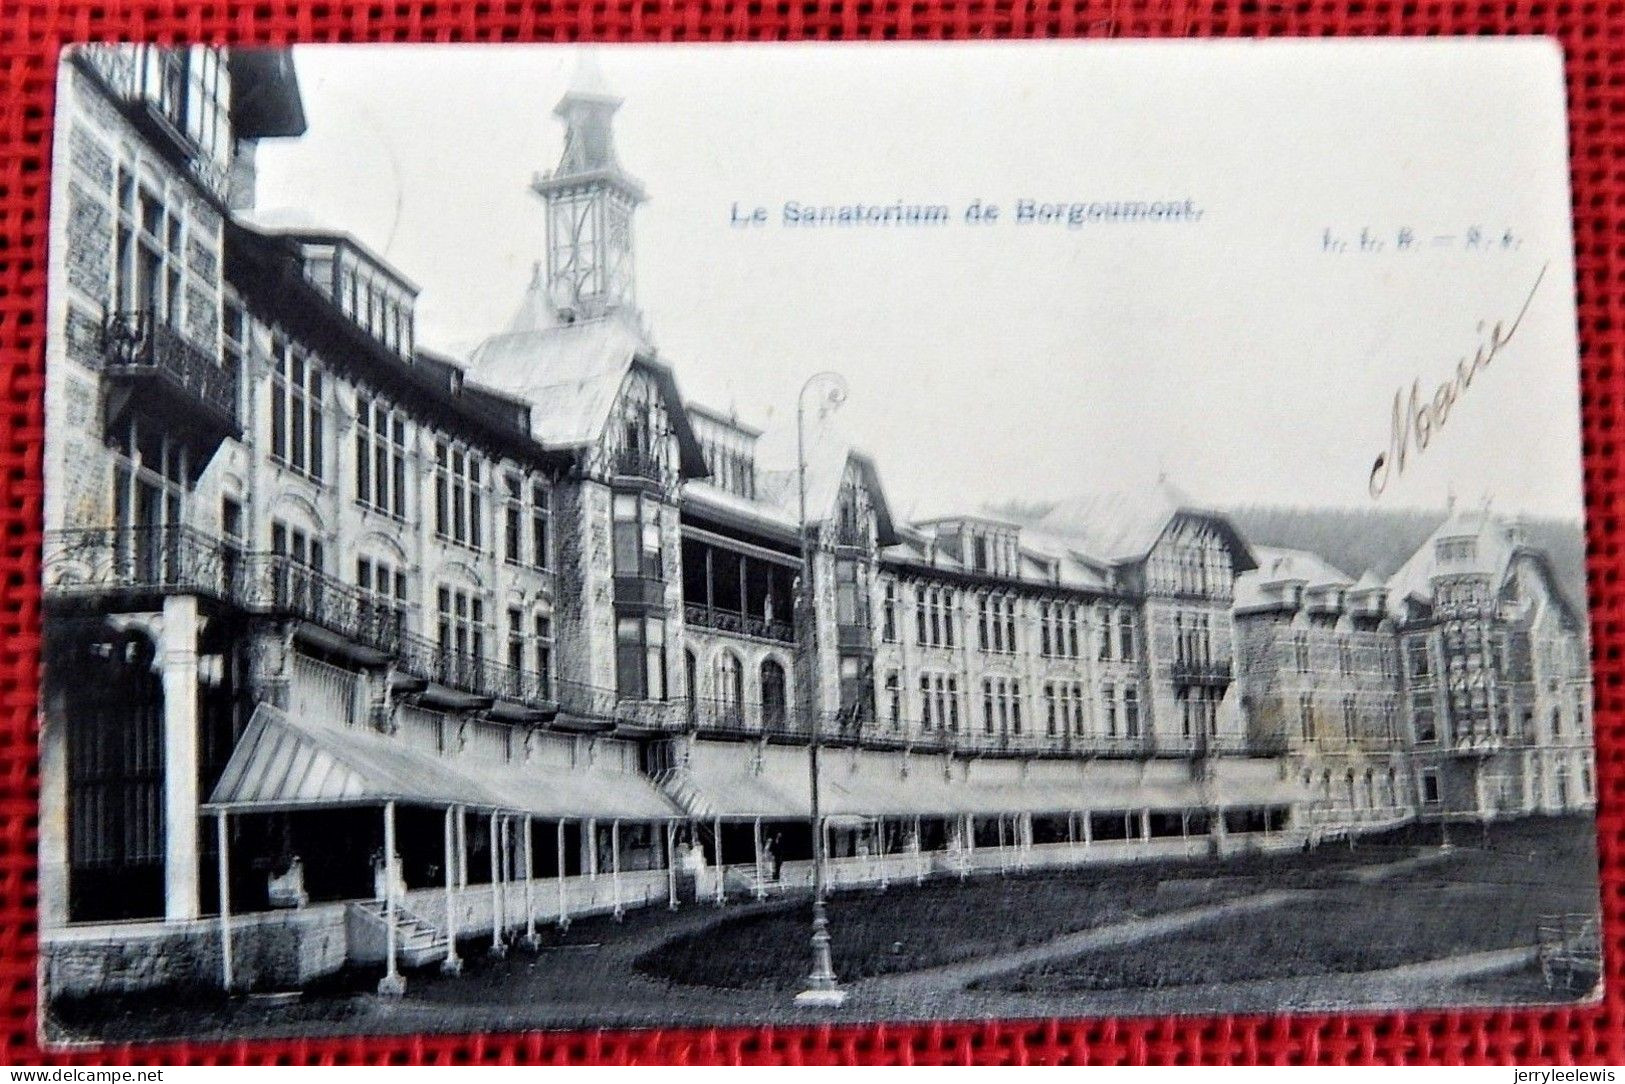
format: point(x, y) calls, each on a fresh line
point(910, 928)
point(1489, 894)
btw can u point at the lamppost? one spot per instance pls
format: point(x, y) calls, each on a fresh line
point(821, 986)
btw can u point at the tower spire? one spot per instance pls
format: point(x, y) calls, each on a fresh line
point(590, 200)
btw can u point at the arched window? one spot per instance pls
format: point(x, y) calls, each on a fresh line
point(773, 698)
point(730, 687)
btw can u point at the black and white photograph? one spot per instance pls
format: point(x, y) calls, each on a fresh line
point(564, 537)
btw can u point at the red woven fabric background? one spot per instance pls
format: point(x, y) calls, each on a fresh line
point(1593, 35)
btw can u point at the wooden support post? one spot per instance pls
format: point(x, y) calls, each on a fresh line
point(451, 965)
point(393, 984)
point(761, 875)
point(462, 847)
point(671, 865)
point(529, 842)
point(615, 869)
point(968, 851)
point(498, 902)
point(722, 878)
point(879, 853)
point(223, 871)
point(589, 843)
point(919, 854)
point(564, 902)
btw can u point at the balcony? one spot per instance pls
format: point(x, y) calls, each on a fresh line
point(137, 562)
point(340, 615)
point(1111, 745)
point(708, 617)
point(594, 708)
point(1477, 740)
point(640, 463)
point(644, 591)
point(144, 357)
point(1213, 672)
point(744, 719)
point(851, 536)
point(854, 639)
point(477, 681)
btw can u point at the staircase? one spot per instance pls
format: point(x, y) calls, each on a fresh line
point(416, 942)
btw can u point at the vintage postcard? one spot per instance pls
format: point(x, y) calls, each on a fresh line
point(663, 536)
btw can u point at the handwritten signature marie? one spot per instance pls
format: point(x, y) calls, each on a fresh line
point(1417, 421)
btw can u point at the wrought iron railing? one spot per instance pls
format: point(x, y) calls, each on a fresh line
point(640, 590)
point(276, 584)
point(174, 560)
point(140, 342)
point(597, 704)
point(853, 535)
point(710, 617)
point(1202, 672)
point(743, 717)
point(639, 463)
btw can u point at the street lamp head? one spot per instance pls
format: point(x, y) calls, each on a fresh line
point(832, 391)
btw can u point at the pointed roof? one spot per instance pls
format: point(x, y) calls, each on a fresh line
point(1121, 527)
point(588, 110)
point(1280, 565)
point(535, 311)
point(1494, 545)
point(572, 375)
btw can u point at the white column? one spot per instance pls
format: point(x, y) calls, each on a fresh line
point(177, 656)
point(671, 865)
point(615, 867)
point(528, 842)
point(589, 842)
point(223, 863)
point(564, 901)
point(761, 875)
point(392, 983)
point(722, 887)
point(968, 851)
point(1004, 862)
point(497, 901)
point(451, 964)
point(919, 854)
point(462, 847)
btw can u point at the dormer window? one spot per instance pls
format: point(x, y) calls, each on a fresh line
point(1456, 549)
point(373, 297)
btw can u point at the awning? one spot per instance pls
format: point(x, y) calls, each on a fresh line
point(770, 791)
point(281, 764)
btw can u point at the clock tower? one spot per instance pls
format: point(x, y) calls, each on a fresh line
point(590, 200)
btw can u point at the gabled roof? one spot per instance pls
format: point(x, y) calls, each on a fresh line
point(1124, 527)
point(827, 461)
point(1494, 546)
point(1280, 565)
point(1498, 545)
point(572, 375)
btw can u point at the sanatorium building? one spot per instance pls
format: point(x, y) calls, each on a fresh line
point(353, 651)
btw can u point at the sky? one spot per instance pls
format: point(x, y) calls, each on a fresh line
point(1238, 354)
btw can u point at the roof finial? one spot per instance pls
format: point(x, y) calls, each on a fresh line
point(1450, 497)
point(588, 80)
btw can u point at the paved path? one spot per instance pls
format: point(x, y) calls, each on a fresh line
point(1438, 983)
point(953, 977)
point(1373, 874)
